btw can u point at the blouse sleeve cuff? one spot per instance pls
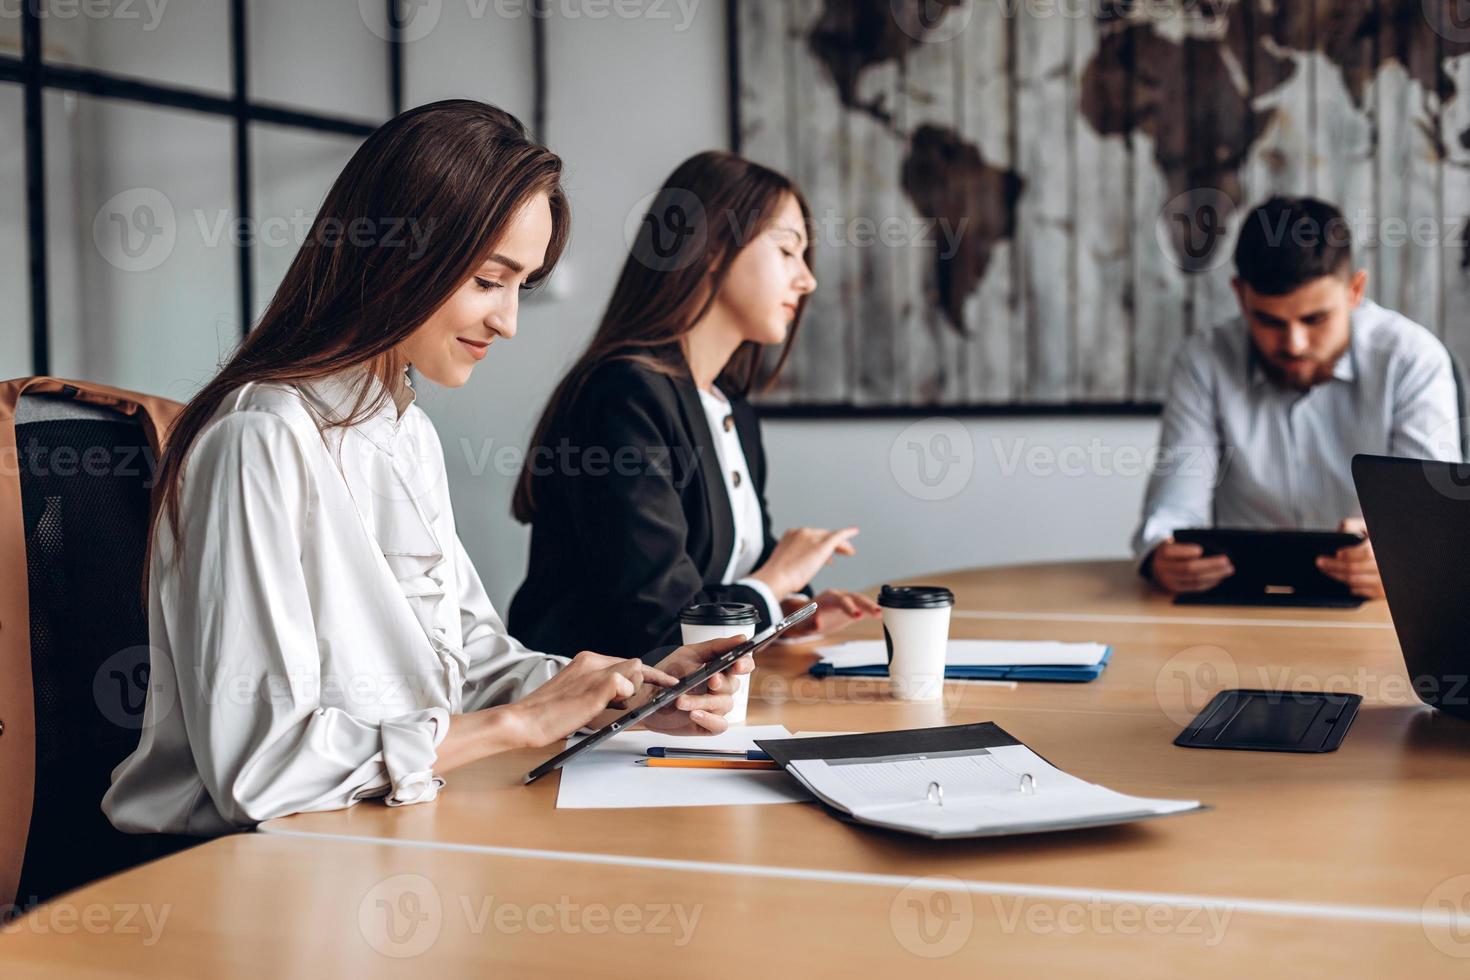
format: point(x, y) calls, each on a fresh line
point(410, 744)
point(773, 608)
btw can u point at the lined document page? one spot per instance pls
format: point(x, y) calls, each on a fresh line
point(978, 790)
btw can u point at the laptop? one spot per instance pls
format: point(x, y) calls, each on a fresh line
point(1272, 568)
point(1418, 515)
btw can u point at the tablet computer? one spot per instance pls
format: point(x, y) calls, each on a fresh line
point(1272, 568)
point(668, 695)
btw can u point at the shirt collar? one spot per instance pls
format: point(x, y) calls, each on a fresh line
point(715, 397)
point(335, 395)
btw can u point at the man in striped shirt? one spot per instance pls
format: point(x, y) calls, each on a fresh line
point(1265, 413)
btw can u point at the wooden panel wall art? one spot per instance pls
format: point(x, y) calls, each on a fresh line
point(1030, 203)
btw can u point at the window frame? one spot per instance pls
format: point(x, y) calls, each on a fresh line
point(36, 77)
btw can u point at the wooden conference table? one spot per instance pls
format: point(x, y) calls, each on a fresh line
point(1350, 863)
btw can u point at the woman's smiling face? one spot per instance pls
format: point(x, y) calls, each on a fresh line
point(446, 347)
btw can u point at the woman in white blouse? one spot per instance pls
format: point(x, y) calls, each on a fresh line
point(318, 633)
point(645, 484)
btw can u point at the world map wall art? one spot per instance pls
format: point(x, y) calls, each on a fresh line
point(1028, 204)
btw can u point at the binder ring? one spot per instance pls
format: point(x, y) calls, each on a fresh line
point(1028, 784)
point(935, 794)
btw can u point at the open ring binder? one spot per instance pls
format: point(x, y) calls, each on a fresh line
point(977, 781)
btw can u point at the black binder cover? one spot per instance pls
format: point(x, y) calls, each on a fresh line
point(874, 745)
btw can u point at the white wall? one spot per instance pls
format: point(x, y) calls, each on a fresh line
point(1038, 489)
point(629, 99)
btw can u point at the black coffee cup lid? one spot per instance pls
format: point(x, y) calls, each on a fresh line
point(915, 597)
point(719, 614)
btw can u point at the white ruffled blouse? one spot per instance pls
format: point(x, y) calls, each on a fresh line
point(320, 624)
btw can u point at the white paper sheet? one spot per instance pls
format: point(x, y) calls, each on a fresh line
point(976, 653)
point(605, 775)
point(981, 792)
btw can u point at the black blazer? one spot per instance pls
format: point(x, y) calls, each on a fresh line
point(633, 522)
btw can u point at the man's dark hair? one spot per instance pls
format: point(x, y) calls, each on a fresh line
point(1287, 242)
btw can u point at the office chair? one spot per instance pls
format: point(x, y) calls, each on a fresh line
point(1462, 395)
point(76, 467)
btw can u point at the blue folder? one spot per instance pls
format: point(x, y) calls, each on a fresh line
point(1070, 673)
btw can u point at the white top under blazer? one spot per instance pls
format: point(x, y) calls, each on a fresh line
point(745, 506)
point(320, 625)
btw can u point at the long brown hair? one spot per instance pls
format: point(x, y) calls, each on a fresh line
point(417, 209)
point(709, 208)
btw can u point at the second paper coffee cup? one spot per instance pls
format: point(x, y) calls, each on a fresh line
point(713, 620)
point(916, 629)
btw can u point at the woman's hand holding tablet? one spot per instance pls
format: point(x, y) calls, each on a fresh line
point(672, 705)
point(578, 693)
point(700, 711)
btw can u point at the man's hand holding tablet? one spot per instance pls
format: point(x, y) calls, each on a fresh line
point(1355, 566)
point(1179, 567)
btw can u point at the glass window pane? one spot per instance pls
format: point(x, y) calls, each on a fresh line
point(182, 44)
point(10, 32)
point(15, 306)
point(140, 236)
point(494, 37)
point(324, 57)
point(292, 170)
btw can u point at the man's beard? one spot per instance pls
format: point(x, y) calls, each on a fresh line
point(1283, 378)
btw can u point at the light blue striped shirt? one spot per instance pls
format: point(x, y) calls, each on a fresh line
point(1238, 450)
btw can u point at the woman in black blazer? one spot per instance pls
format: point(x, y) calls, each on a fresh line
point(645, 482)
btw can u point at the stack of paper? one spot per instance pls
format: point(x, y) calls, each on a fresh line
point(606, 775)
point(977, 660)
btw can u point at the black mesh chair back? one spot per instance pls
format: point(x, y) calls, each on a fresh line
point(85, 478)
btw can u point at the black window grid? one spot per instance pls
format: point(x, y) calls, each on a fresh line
point(36, 77)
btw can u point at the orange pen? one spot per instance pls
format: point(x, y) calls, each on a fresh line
point(708, 764)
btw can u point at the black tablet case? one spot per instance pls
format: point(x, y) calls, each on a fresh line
point(1272, 721)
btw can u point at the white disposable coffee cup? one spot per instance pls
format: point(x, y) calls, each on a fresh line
point(916, 629)
point(714, 620)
